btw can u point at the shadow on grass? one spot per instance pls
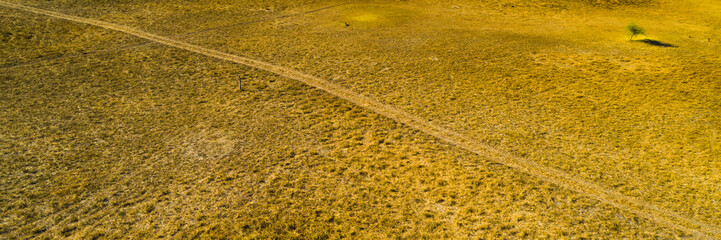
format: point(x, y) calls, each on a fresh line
point(655, 43)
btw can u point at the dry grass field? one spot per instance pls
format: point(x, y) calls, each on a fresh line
point(105, 135)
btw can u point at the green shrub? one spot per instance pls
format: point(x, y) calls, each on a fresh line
point(635, 30)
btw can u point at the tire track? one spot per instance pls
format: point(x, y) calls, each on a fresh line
point(592, 190)
point(176, 35)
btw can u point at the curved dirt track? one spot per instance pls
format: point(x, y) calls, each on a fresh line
point(177, 35)
point(552, 175)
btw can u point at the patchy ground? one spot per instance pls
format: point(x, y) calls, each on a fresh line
point(107, 135)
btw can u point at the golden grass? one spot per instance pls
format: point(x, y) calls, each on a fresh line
point(156, 142)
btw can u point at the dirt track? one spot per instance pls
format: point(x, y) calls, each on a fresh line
point(552, 175)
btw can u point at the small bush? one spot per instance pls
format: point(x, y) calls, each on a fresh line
point(635, 30)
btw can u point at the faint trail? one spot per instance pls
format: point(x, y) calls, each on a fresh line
point(661, 216)
point(260, 20)
point(74, 55)
point(177, 35)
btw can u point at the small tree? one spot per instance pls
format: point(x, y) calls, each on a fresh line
point(635, 30)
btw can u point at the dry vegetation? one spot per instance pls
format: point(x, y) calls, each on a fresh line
point(104, 135)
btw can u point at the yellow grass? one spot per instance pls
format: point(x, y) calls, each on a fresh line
point(101, 140)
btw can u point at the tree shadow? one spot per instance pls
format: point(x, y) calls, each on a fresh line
point(655, 43)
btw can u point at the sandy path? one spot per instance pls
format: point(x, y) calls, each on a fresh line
point(555, 176)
